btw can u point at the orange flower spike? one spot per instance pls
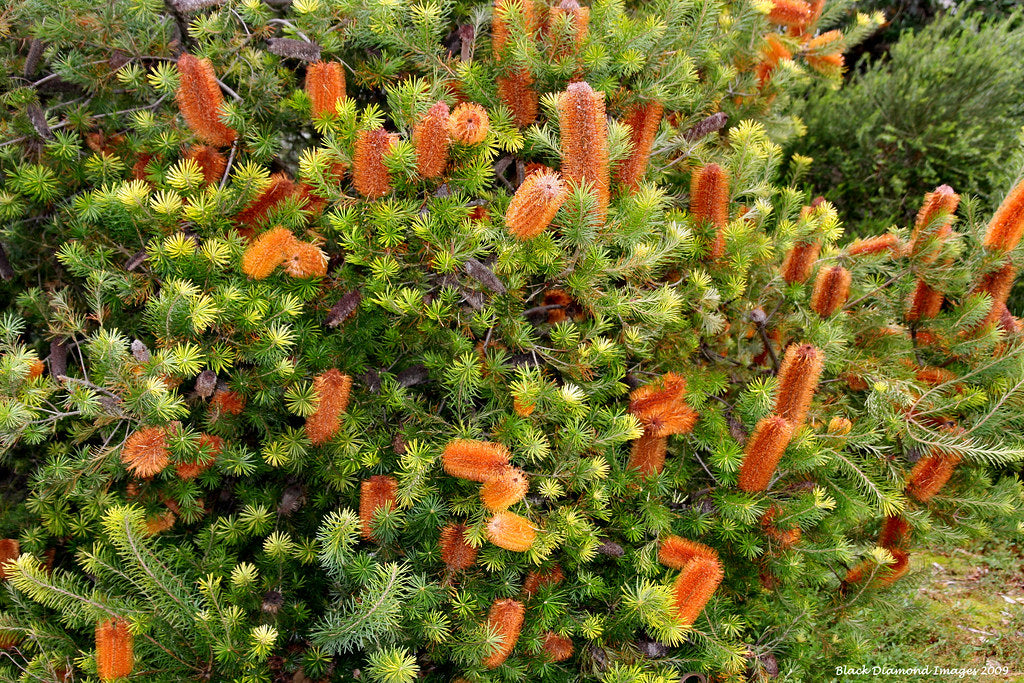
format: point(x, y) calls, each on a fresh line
point(35, 369)
point(557, 648)
point(764, 450)
point(786, 538)
point(431, 139)
point(798, 378)
point(792, 13)
point(925, 302)
point(839, 426)
point(374, 494)
point(474, 460)
point(895, 532)
point(579, 20)
point(115, 656)
point(332, 389)
point(517, 93)
point(676, 552)
point(831, 290)
point(161, 522)
point(773, 52)
point(506, 619)
point(584, 130)
point(145, 452)
point(210, 161)
point(1007, 225)
point(304, 260)
point(511, 532)
point(894, 571)
point(369, 174)
point(209, 443)
point(468, 124)
point(267, 252)
point(696, 583)
point(997, 285)
point(537, 579)
point(230, 402)
point(709, 202)
point(500, 34)
point(10, 549)
point(456, 553)
point(930, 474)
point(200, 101)
point(660, 407)
point(643, 121)
point(280, 188)
point(648, 455)
point(934, 220)
point(875, 245)
point(504, 489)
point(799, 261)
point(535, 204)
point(325, 85)
point(934, 376)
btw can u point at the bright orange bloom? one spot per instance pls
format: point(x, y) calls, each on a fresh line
point(267, 252)
point(145, 452)
point(522, 407)
point(584, 130)
point(925, 302)
point(830, 63)
point(161, 522)
point(474, 460)
point(325, 84)
point(469, 123)
point(793, 13)
point(934, 376)
point(1007, 225)
point(500, 34)
point(831, 290)
point(535, 204)
point(504, 488)
point(799, 261)
point(209, 443)
point(579, 20)
point(280, 188)
point(506, 619)
point(10, 549)
point(230, 402)
point(676, 552)
point(304, 260)
point(201, 102)
point(660, 406)
point(773, 52)
point(763, 452)
point(696, 583)
point(801, 31)
point(369, 174)
point(709, 202)
point(930, 474)
point(875, 245)
point(934, 221)
point(648, 454)
point(538, 578)
point(997, 285)
point(798, 378)
point(332, 388)
point(210, 161)
point(643, 121)
point(115, 655)
point(839, 426)
point(557, 648)
point(511, 532)
point(895, 532)
point(35, 369)
point(431, 139)
point(786, 538)
point(456, 553)
point(883, 577)
point(516, 92)
point(375, 493)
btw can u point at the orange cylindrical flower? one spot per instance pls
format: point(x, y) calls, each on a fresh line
point(145, 452)
point(676, 552)
point(201, 102)
point(456, 553)
point(648, 454)
point(325, 85)
point(504, 488)
point(584, 131)
point(696, 583)
point(709, 202)
point(535, 204)
point(506, 619)
point(643, 121)
point(332, 389)
point(210, 161)
point(579, 21)
point(934, 376)
point(10, 549)
point(115, 656)
point(883, 577)
point(895, 532)
point(517, 93)
point(997, 285)
point(925, 302)
point(793, 13)
point(786, 538)
point(539, 578)
point(431, 139)
point(500, 32)
point(267, 252)
point(474, 460)
point(375, 493)
point(557, 648)
point(230, 402)
point(934, 222)
point(304, 260)
point(773, 52)
point(280, 188)
point(1007, 225)
point(468, 123)
point(931, 473)
point(511, 532)
point(763, 452)
point(875, 245)
point(798, 378)
point(831, 290)
point(369, 174)
point(212, 446)
point(661, 408)
point(799, 261)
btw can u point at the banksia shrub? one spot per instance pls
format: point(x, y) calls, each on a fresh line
point(369, 174)
point(468, 124)
point(475, 460)
point(694, 586)
point(831, 290)
point(709, 202)
point(764, 450)
point(456, 553)
point(332, 390)
point(1007, 225)
point(517, 93)
point(798, 378)
point(325, 85)
point(504, 489)
point(375, 493)
point(201, 102)
point(535, 204)
point(267, 252)
point(511, 532)
point(115, 655)
point(584, 132)
point(925, 302)
point(505, 618)
point(792, 13)
point(643, 121)
point(431, 139)
point(145, 452)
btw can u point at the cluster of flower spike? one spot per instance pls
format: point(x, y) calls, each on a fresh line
point(200, 101)
point(643, 121)
point(278, 246)
point(515, 88)
point(535, 204)
point(932, 227)
point(325, 85)
point(1003, 235)
point(115, 656)
point(700, 573)
point(662, 410)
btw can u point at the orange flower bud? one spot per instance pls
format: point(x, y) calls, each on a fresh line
point(504, 488)
point(145, 452)
point(500, 33)
point(511, 532)
point(208, 443)
point(211, 162)
point(522, 407)
point(798, 378)
point(584, 130)
point(161, 522)
point(456, 553)
point(643, 121)
point(375, 493)
point(930, 474)
point(997, 285)
point(648, 454)
point(660, 407)
point(535, 204)
point(35, 369)
point(230, 402)
point(557, 648)
point(925, 302)
point(793, 13)
point(934, 376)
point(773, 52)
point(676, 552)
point(935, 216)
point(579, 21)
point(839, 426)
point(506, 619)
point(431, 139)
point(115, 656)
point(875, 245)
point(763, 452)
point(369, 174)
point(474, 460)
point(1007, 225)
point(537, 579)
point(280, 188)
point(200, 101)
point(304, 260)
point(469, 123)
point(332, 389)
point(800, 261)
point(325, 85)
point(831, 290)
point(267, 252)
point(10, 549)
point(895, 532)
point(517, 93)
point(696, 583)
point(709, 202)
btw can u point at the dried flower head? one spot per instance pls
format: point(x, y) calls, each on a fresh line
point(539, 578)
point(115, 655)
point(696, 583)
point(210, 161)
point(145, 452)
point(369, 174)
point(676, 552)
point(516, 92)
point(506, 619)
point(375, 493)
point(792, 13)
point(925, 302)
point(831, 290)
point(1007, 225)
point(881, 244)
point(332, 390)
point(584, 131)
point(504, 488)
point(933, 376)
point(468, 124)
point(764, 450)
point(325, 85)
point(201, 102)
point(456, 553)
point(511, 532)
point(10, 550)
point(474, 460)
point(799, 261)
point(798, 378)
point(643, 121)
point(210, 447)
point(648, 455)
point(557, 648)
point(304, 260)
point(431, 139)
point(709, 202)
point(535, 204)
point(230, 402)
point(267, 252)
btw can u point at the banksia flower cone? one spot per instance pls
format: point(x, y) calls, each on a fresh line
point(267, 252)
point(773, 52)
point(579, 18)
point(374, 494)
point(895, 532)
point(505, 619)
point(828, 63)
point(537, 579)
point(511, 532)
point(786, 538)
point(584, 130)
point(798, 378)
point(535, 204)
point(883, 577)
point(503, 489)
point(115, 656)
point(643, 121)
point(648, 454)
point(468, 124)
point(145, 452)
point(474, 460)
point(763, 452)
point(1007, 225)
point(10, 549)
point(500, 33)
point(201, 102)
point(332, 389)
point(799, 261)
point(325, 85)
point(831, 290)
point(280, 188)
point(431, 139)
point(456, 553)
point(709, 202)
point(875, 245)
point(660, 407)
point(792, 13)
point(676, 552)
point(305, 260)
point(930, 474)
point(696, 583)
point(925, 302)
point(934, 219)
point(997, 285)
point(517, 93)
point(557, 648)
point(208, 443)
point(210, 161)
point(369, 174)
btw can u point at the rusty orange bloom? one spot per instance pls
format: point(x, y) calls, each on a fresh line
point(267, 252)
point(375, 493)
point(696, 583)
point(370, 176)
point(145, 452)
point(792, 13)
point(468, 123)
point(456, 552)
point(643, 121)
point(538, 578)
point(115, 655)
point(504, 488)
point(200, 101)
point(506, 619)
point(798, 378)
point(304, 260)
point(535, 204)
point(831, 290)
point(764, 450)
point(709, 202)
point(510, 531)
point(325, 85)
point(1007, 225)
point(676, 552)
point(431, 139)
point(474, 460)
point(799, 261)
point(516, 92)
point(332, 389)
point(925, 302)
point(880, 244)
point(210, 161)
point(557, 648)
point(584, 131)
